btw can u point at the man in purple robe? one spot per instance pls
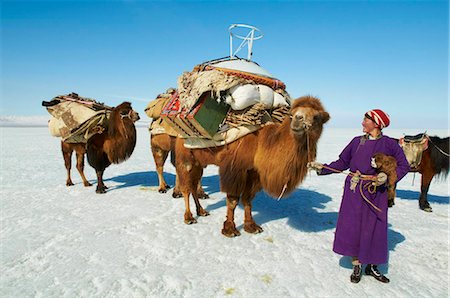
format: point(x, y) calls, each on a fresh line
point(361, 230)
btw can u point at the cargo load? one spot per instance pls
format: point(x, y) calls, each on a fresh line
point(74, 118)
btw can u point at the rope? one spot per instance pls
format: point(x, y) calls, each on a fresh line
point(371, 188)
point(440, 150)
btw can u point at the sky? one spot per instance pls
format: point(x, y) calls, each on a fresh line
point(353, 55)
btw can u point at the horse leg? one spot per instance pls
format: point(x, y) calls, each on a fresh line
point(101, 188)
point(252, 186)
point(425, 185)
point(80, 165)
point(229, 227)
point(67, 155)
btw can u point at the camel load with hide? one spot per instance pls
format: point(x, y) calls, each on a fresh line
point(221, 100)
point(234, 114)
point(106, 134)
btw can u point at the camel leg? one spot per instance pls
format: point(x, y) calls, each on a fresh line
point(201, 192)
point(67, 155)
point(198, 207)
point(188, 218)
point(160, 157)
point(80, 167)
point(229, 227)
point(425, 185)
point(101, 188)
point(252, 186)
point(176, 190)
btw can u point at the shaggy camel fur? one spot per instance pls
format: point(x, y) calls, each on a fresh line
point(114, 145)
point(161, 146)
point(388, 165)
point(80, 150)
point(273, 158)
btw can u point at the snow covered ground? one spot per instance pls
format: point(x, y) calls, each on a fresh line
point(59, 241)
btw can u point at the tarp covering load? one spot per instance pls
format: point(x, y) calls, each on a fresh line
point(154, 109)
point(74, 118)
point(222, 100)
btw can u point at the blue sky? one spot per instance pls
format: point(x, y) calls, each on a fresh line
point(354, 55)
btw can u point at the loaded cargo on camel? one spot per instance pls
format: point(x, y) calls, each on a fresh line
point(106, 134)
point(233, 113)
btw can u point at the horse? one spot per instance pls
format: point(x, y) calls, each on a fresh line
point(434, 161)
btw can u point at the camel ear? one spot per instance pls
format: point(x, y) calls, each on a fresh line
point(324, 116)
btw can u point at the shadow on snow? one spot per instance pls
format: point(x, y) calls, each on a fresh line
point(301, 208)
point(414, 195)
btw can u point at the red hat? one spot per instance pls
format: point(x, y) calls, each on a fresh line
point(379, 117)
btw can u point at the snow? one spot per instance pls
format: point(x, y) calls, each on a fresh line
point(59, 241)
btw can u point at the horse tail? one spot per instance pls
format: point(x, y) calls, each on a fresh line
point(439, 156)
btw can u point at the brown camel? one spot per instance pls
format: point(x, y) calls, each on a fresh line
point(161, 145)
point(115, 144)
point(273, 158)
point(80, 150)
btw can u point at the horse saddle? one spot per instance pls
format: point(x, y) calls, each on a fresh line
point(415, 139)
point(413, 146)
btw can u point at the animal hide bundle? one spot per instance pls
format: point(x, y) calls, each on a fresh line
point(191, 85)
point(75, 119)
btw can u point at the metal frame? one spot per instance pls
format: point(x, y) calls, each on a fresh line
point(246, 40)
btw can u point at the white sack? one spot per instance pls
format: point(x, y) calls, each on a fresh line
point(266, 95)
point(279, 100)
point(243, 96)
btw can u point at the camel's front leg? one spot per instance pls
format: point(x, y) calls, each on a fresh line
point(101, 188)
point(188, 218)
point(250, 225)
point(229, 227)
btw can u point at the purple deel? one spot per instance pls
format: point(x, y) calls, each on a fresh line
point(361, 231)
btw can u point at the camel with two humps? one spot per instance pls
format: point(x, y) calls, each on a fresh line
point(115, 144)
point(273, 158)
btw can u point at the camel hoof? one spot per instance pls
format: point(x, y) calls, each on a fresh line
point(87, 184)
point(427, 209)
point(162, 190)
point(253, 228)
point(69, 183)
point(177, 195)
point(101, 190)
point(229, 230)
point(230, 233)
point(203, 196)
point(190, 221)
point(203, 213)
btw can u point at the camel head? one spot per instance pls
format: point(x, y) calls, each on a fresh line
point(126, 111)
point(307, 114)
